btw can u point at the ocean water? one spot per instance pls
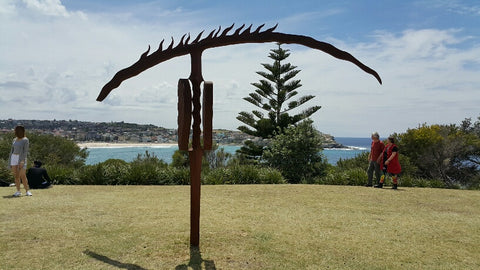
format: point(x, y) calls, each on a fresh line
point(165, 152)
point(355, 146)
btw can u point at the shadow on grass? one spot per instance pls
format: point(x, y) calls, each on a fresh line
point(11, 197)
point(112, 262)
point(196, 261)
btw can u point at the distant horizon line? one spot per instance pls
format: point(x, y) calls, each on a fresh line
point(97, 122)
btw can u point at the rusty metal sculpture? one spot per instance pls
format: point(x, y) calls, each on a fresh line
point(186, 100)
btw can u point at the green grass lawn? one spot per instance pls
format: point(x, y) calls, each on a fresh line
point(241, 227)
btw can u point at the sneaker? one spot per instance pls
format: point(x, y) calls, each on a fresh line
point(380, 185)
point(395, 186)
point(28, 193)
point(17, 194)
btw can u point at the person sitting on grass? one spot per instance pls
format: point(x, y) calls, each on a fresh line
point(38, 177)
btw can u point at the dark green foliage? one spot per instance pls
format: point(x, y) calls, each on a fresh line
point(347, 177)
point(447, 152)
point(180, 159)
point(217, 157)
point(248, 174)
point(273, 97)
point(296, 153)
point(51, 150)
point(6, 145)
point(243, 174)
point(56, 150)
point(109, 172)
point(359, 161)
point(250, 152)
point(63, 175)
point(5, 173)
point(145, 170)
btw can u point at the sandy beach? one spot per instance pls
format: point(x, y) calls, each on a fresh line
point(113, 144)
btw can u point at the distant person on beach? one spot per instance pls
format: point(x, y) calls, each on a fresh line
point(38, 177)
point(17, 160)
point(374, 159)
point(390, 164)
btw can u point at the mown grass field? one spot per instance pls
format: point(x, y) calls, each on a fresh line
point(242, 227)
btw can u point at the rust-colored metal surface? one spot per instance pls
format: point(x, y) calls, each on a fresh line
point(189, 105)
point(184, 118)
point(207, 115)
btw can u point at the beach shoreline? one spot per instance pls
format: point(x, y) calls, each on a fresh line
point(122, 144)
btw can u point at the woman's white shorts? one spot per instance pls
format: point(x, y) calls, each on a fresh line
point(14, 161)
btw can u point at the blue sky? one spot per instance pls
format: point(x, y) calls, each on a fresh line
point(56, 55)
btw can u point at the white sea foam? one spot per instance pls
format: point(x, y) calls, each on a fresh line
point(347, 148)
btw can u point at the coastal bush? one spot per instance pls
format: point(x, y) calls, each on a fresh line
point(412, 181)
point(447, 152)
point(271, 176)
point(180, 159)
point(347, 177)
point(55, 150)
point(359, 161)
point(5, 148)
point(146, 170)
point(218, 176)
point(243, 174)
point(5, 174)
point(109, 172)
point(179, 176)
point(50, 149)
point(120, 172)
point(115, 172)
point(296, 153)
point(247, 174)
point(92, 175)
point(62, 175)
point(172, 176)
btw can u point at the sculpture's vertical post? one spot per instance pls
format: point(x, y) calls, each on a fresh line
point(196, 152)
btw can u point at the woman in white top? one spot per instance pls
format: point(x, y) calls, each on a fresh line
point(18, 160)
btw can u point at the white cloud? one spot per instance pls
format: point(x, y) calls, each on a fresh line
point(58, 61)
point(47, 7)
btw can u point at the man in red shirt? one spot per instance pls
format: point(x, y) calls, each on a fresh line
point(374, 159)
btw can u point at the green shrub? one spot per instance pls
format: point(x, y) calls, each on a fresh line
point(271, 176)
point(296, 153)
point(243, 174)
point(218, 176)
point(180, 176)
point(5, 173)
point(356, 177)
point(91, 175)
point(350, 177)
point(62, 175)
point(172, 176)
point(246, 174)
point(359, 161)
point(115, 172)
point(146, 170)
point(109, 172)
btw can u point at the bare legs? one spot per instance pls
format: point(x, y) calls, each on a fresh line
point(20, 177)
